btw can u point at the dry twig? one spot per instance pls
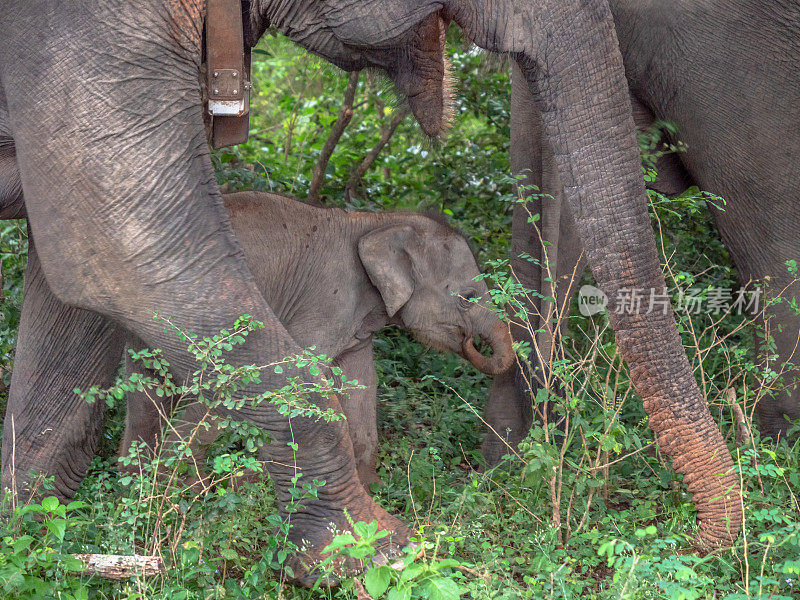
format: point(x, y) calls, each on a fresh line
point(742, 430)
point(361, 593)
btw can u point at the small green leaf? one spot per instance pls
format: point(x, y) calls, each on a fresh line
point(441, 588)
point(411, 572)
point(399, 593)
point(22, 543)
point(339, 541)
point(58, 527)
point(229, 554)
point(50, 503)
point(376, 580)
point(70, 563)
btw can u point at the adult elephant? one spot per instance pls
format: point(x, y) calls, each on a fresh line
point(741, 127)
point(103, 109)
point(735, 98)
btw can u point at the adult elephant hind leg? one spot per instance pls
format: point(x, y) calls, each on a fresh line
point(510, 410)
point(123, 234)
point(48, 429)
point(760, 253)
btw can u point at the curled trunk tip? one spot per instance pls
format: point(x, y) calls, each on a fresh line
point(499, 339)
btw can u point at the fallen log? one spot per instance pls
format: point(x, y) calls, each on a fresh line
point(116, 566)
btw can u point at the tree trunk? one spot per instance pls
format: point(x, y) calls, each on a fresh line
point(341, 123)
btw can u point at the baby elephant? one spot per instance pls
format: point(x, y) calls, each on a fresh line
point(334, 278)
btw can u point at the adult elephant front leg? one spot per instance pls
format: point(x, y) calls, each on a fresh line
point(123, 204)
point(48, 428)
point(510, 410)
point(58, 349)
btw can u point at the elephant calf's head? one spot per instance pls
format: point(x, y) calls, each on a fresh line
point(425, 273)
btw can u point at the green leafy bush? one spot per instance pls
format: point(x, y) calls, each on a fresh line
point(34, 559)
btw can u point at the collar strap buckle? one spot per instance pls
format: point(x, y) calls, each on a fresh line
point(228, 73)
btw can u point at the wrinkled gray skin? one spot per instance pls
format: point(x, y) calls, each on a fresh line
point(334, 278)
point(121, 199)
point(727, 75)
point(11, 204)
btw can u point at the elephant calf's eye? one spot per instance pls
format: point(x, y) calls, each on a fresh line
point(467, 298)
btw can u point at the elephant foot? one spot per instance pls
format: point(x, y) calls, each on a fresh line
point(312, 534)
point(368, 477)
point(41, 478)
point(494, 448)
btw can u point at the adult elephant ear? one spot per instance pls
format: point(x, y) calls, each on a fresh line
point(569, 55)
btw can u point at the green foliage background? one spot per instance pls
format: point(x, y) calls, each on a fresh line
point(498, 525)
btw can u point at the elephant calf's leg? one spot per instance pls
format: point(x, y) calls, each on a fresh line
point(146, 412)
point(510, 409)
point(48, 429)
point(149, 422)
point(360, 408)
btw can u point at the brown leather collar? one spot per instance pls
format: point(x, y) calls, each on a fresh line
point(227, 54)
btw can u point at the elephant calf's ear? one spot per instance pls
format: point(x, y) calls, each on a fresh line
point(384, 256)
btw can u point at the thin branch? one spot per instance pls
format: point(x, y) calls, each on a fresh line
point(341, 123)
point(372, 155)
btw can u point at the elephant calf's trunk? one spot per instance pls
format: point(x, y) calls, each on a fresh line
point(499, 339)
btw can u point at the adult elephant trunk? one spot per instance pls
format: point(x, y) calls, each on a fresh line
point(421, 75)
point(496, 334)
point(568, 53)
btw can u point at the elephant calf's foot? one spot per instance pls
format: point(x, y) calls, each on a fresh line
point(313, 533)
